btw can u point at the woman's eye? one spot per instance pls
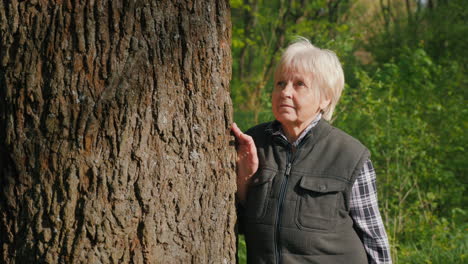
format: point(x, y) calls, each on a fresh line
point(281, 84)
point(300, 83)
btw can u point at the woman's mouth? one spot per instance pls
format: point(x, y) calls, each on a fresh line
point(286, 105)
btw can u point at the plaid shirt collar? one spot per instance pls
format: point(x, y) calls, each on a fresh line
point(278, 130)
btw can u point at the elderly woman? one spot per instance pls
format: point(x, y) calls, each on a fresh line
point(307, 190)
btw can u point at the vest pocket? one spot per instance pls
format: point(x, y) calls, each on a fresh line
point(258, 193)
point(318, 203)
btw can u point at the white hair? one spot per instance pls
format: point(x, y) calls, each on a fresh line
point(324, 66)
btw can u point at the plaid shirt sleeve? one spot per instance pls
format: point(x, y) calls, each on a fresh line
point(364, 210)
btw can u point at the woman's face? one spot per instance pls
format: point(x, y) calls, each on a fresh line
point(295, 99)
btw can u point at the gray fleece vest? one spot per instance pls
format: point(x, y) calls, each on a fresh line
point(297, 208)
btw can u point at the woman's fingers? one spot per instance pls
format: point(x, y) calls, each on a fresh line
point(247, 147)
point(247, 160)
point(235, 129)
point(241, 137)
point(237, 132)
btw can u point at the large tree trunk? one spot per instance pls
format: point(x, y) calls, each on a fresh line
point(114, 142)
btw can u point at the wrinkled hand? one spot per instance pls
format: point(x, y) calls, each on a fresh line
point(247, 161)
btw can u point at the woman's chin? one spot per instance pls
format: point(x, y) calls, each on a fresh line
point(285, 118)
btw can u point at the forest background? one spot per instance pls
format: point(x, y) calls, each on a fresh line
point(405, 63)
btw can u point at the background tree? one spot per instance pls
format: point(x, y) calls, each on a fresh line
point(114, 123)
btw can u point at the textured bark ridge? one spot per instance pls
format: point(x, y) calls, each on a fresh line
point(114, 142)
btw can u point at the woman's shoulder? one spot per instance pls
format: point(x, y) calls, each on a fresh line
point(344, 139)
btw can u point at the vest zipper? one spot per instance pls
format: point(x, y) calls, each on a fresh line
point(282, 193)
point(290, 159)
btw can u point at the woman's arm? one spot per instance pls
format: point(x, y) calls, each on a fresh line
point(247, 162)
point(364, 210)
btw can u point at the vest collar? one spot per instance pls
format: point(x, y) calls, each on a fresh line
point(321, 130)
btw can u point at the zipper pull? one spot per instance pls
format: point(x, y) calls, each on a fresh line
point(288, 169)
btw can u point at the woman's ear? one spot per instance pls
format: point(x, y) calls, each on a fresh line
point(324, 103)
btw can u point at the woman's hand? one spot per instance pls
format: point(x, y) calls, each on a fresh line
point(247, 161)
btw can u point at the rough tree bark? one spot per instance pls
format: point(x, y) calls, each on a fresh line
point(114, 141)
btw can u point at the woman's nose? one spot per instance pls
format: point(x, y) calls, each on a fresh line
point(287, 90)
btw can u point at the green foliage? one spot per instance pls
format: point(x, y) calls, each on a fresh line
point(407, 105)
point(440, 31)
point(241, 250)
point(418, 176)
point(445, 243)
